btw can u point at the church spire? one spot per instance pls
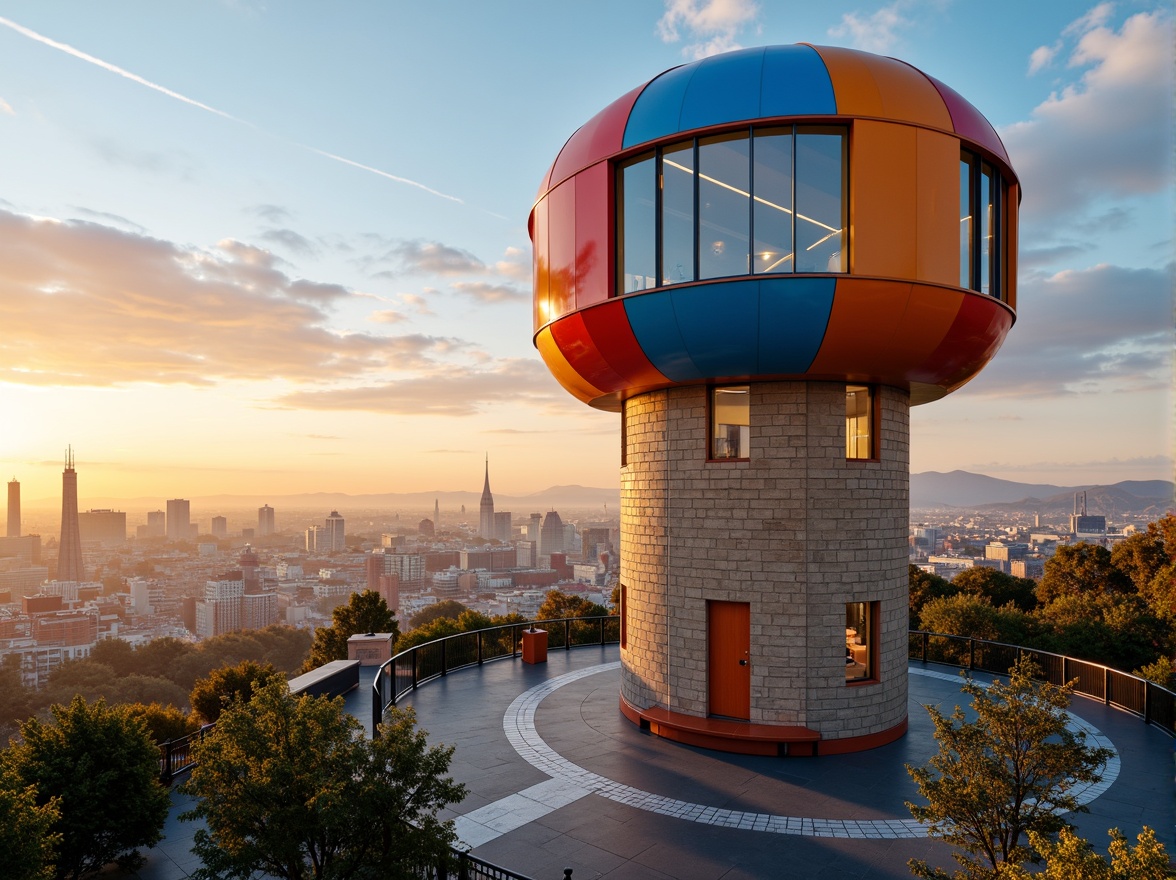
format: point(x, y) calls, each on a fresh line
point(486, 507)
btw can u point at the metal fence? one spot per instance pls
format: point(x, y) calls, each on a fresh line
point(409, 669)
point(1122, 690)
point(464, 866)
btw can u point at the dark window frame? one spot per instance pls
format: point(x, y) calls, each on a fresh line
point(874, 421)
point(711, 390)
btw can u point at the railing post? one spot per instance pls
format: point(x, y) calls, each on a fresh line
point(601, 621)
point(479, 638)
point(926, 640)
point(971, 653)
point(165, 774)
point(1106, 686)
point(444, 664)
point(567, 634)
point(414, 669)
point(463, 867)
point(1147, 702)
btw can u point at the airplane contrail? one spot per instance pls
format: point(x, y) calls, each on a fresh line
point(113, 68)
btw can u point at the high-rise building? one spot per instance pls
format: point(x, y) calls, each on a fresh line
point(336, 536)
point(219, 527)
point(486, 508)
point(315, 539)
point(551, 538)
point(103, 526)
point(69, 552)
point(179, 519)
point(265, 521)
point(13, 508)
point(502, 525)
point(156, 523)
point(763, 326)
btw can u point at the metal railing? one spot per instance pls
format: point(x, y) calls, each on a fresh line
point(464, 866)
point(1154, 704)
point(422, 663)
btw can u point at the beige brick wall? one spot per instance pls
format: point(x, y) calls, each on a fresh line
point(797, 531)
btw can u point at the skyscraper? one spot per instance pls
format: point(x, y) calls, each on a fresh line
point(13, 508)
point(69, 553)
point(486, 508)
point(179, 519)
point(265, 521)
point(436, 514)
point(336, 539)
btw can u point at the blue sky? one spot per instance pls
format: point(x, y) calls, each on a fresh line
point(271, 247)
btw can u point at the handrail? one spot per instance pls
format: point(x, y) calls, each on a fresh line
point(1156, 705)
point(415, 666)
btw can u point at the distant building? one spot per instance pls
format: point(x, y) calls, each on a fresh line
point(486, 527)
point(26, 548)
point(336, 534)
point(426, 528)
point(502, 526)
point(1032, 568)
point(179, 519)
point(265, 521)
point(551, 537)
point(103, 526)
point(69, 551)
point(220, 527)
point(315, 539)
point(156, 523)
point(13, 508)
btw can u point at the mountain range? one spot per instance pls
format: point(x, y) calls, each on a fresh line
point(961, 489)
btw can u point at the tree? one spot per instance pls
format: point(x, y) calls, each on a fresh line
point(101, 766)
point(212, 695)
point(996, 586)
point(1140, 557)
point(1072, 858)
point(26, 838)
point(449, 608)
point(15, 699)
point(163, 722)
point(365, 612)
point(558, 605)
point(289, 786)
point(1008, 772)
point(1080, 568)
point(925, 586)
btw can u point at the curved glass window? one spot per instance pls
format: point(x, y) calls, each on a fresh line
point(767, 201)
point(982, 198)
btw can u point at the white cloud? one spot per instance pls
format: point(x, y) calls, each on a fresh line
point(1108, 135)
point(712, 26)
point(490, 293)
point(1042, 57)
point(6, 108)
point(877, 31)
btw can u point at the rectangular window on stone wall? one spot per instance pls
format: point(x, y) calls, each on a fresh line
point(730, 420)
point(859, 422)
point(860, 622)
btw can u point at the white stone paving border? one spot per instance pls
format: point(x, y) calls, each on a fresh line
point(570, 782)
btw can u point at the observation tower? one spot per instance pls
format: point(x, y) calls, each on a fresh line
point(762, 260)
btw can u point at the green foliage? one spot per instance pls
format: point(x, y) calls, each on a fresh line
point(449, 608)
point(559, 605)
point(116, 654)
point(1077, 569)
point(26, 838)
point(1072, 858)
point(289, 786)
point(1161, 672)
point(364, 612)
point(1140, 557)
point(1112, 628)
point(15, 698)
point(212, 695)
point(966, 614)
point(924, 587)
point(1006, 773)
point(101, 766)
point(163, 722)
point(997, 587)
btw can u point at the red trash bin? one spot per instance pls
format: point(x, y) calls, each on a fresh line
point(534, 646)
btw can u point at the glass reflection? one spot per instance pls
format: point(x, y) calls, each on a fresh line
point(772, 207)
point(819, 203)
point(724, 211)
point(637, 186)
point(677, 180)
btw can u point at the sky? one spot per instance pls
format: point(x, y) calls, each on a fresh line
point(264, 248)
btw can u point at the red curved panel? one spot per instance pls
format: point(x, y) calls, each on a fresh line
point(970, 122)
point(561, 249)
point(593, 235)
point(975, 336)
point(577, 346)
point(596, 139)
point(609, 327)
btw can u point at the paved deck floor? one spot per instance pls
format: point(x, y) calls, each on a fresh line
point(557, 778)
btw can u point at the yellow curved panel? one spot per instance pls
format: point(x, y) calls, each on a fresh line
point(937, 248)
point(572, 381)
point(883, 209)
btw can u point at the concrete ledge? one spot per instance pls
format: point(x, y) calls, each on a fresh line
point(331, 679)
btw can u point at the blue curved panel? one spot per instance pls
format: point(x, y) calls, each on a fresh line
point(658, 108)
point(724, 88)
point(795, 83)
point(718, 326)
point(651, 315)
point(793, 315)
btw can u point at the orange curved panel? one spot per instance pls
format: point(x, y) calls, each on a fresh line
point(541, 272)
point(937, 205)
point(866, 317)
point(573, 382)
point(884, 207)
point(869, 85)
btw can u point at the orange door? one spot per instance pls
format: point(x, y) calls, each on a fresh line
point(729, 658)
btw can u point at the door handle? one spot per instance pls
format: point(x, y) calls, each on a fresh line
point(742, 662)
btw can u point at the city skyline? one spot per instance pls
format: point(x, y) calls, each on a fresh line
point(301, 264)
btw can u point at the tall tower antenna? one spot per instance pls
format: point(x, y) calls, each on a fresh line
point(69, 554)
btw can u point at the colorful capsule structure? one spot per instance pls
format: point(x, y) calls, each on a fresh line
point(763, 259)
